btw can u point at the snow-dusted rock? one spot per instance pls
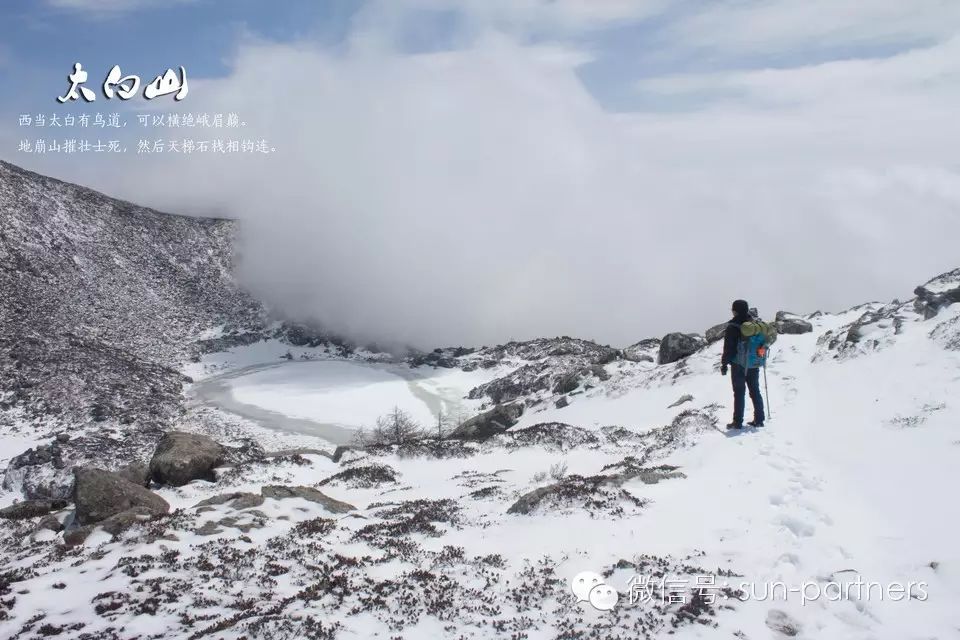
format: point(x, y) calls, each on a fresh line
point(489, 423)
point(100, 494)
point(675, 346)
point(281, 492)
point(182, 457)
point(791, 323)
point(644, 351)
point(237, 500)
point(715, 332)
point(31, 509)
point(937, 293)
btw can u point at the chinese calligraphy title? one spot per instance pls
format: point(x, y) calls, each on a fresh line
point(125, 87)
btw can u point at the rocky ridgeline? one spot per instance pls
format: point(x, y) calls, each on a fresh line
point(549, 371)
point(877, 325)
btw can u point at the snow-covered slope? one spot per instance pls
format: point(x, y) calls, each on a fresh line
point(850, 482)
point(836, 520)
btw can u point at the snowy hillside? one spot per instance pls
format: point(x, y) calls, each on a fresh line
point(261, 516)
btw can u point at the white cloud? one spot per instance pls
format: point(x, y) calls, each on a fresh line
point(764, 26)
point(482, 194)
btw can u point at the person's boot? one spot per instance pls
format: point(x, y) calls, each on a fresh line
point(755, 423)
point(735, 425)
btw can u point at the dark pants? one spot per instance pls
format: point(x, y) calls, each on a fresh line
point(743, 380)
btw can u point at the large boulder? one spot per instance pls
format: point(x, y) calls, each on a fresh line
point(100, 494)
point(715, 333)
point(676, 346)
point(791, 323)
point(182, 457)
point(489, 423)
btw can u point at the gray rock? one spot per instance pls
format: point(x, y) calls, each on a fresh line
point(31, 509)
point(600, 371)
point(182, 457)
point(282, 492)
point(340, 450)
point(49, 523)
point(643, 351)
point(237, 500)
point(210, 528)
point(676, 346)
point(929, 303)
point(489, 423)
point(715, 332)
point(791, 324)
point(682, 399)
point(136, 472)
point(561, 402)
point(567, 383)
point(73, 537)
point(120, 522)
point(99, 494)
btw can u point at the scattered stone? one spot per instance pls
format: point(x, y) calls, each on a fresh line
point(120, 522)
point(31, 509)
point(676, 346)
point(561, 402)
point(182, 457)
point(73, 537)
point(237, 500)
point(63, 438)
point(99, 494)
point(281, 492)
point(684, 398)
point(489, 423)
point(209, 529)
point(49, 523)
point(780, 622)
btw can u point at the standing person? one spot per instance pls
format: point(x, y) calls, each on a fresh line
point(743, 378)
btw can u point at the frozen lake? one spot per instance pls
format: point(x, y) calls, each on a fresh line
point(331, 399)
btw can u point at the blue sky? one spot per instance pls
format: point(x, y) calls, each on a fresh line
point(827, 128)
point(41, 40)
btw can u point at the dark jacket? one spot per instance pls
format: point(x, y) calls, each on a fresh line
point(731, 337)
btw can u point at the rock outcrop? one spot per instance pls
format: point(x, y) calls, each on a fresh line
point(790, 323)
point(675, 346)
point(99, 494)
point(182, 457)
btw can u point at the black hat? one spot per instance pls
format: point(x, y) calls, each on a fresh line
point(740, 307)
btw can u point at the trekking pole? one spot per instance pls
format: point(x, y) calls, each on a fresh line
point(766, 390)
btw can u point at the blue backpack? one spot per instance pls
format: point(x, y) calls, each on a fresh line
point(756, 336)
